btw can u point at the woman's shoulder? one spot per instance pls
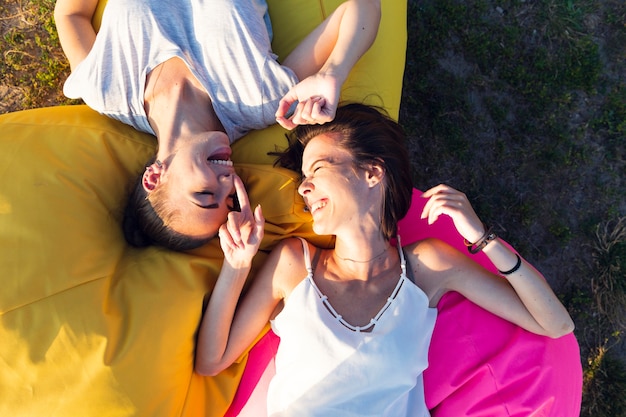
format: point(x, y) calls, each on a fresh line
point(291, 255)
point(291, 247)
point(290, 268)
point(429, 248)
point(433, 264)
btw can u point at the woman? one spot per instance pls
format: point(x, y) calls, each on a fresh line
point(198, 75)
point(355, 321)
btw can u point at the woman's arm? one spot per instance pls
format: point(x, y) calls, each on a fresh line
point(524, 297)
point(228, 329)
point(240, 238)
point(76, 33)
point(324, 59)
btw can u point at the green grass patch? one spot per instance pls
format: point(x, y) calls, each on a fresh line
point(522, 106)
point(33, 60)
point(604, 386)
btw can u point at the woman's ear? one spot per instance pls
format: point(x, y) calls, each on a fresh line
point(375, 174)
point(151, 177)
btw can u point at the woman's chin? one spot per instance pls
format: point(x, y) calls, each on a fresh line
point(319, 229)
point(324, 229)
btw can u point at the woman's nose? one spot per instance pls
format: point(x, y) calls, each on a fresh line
point(226, 182)
point(222, 172)
point(225, 177)
point(304, 187)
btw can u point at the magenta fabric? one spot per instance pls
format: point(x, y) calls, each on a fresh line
point(479, 364)
point(250, 396)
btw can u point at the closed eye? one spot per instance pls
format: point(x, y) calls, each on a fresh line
point(315, 169)
point(199, 197)
point(208, 206)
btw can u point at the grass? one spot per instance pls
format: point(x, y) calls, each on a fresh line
point(519, 103)
point(605, 383)
point(605, 373)
point(32, 61)
point(609, 284)
point(522, 105)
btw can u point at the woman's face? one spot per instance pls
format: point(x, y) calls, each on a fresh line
point(333, 189)
point(199, 181)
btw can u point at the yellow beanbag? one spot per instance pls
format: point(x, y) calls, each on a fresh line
point(92, 327)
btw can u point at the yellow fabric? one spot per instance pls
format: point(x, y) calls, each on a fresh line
point(92, 327)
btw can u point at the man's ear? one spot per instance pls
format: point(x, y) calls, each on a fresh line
point(151, 177)
point(375, 174)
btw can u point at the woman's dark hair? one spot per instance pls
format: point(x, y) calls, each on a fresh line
point(145, 225)
point(372, 137)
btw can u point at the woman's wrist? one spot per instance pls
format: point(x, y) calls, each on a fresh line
point(479, 244)
point(236, 270)
point(335, 71)
point(515, 268)
point(505, 260)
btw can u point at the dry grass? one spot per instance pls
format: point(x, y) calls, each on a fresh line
point(609, 284)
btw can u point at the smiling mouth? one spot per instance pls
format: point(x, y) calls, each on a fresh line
point(226, 162)
point(220, 159)
point(317, 205)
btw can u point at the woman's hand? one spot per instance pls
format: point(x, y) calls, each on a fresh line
point(444, 199)
point(324, 59)
point(240, 237)
point(523, 298)
point(317, 97)
point(242, 233)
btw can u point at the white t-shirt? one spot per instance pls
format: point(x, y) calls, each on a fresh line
point(225, 44)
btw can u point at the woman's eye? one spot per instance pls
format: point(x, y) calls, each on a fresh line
point(303, 177)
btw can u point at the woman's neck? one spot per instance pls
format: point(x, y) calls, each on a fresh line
point(177, 105)
point(363, 257)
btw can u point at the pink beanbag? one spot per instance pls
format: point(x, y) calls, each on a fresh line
point(479, 364)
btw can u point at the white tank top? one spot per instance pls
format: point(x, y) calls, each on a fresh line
point(327, 367)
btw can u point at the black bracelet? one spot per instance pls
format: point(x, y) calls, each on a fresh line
point(474, 248)
point(515, 268)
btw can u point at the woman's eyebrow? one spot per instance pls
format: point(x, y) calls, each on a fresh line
point(327, 159)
